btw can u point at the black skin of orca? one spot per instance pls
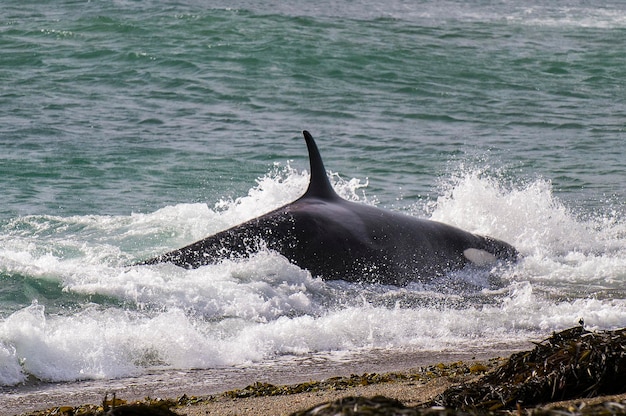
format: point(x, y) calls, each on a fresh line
point(338, 239)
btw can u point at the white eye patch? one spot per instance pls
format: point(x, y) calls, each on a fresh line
point(479, 257)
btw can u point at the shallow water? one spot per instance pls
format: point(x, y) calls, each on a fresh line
point(166, 383)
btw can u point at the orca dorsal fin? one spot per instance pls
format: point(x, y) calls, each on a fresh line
point(319, 185)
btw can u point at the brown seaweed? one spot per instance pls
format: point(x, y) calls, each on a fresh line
point(362, 406)
point(571, 364)
point(117, 407)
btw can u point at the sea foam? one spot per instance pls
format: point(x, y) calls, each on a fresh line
point(92, 315)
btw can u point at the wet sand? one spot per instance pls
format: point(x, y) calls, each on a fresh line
point(204, 383)
point(409, 393)
point(412, 385)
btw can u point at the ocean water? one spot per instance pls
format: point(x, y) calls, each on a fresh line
point(128, 129)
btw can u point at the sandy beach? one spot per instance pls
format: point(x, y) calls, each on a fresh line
point(409, 393)
point(411, 387)
point(582, 369)
point(213, 383)
point(418, 388)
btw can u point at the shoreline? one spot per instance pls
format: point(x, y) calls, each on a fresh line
point(572, 370)
point(410, 392)
point(411, 389)
point(170, 384)
point(262, 398)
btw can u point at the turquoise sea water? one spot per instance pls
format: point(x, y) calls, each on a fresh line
point(132, 128)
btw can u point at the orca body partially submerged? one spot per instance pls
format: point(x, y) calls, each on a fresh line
point(338, 239)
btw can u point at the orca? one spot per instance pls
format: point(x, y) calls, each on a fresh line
point(336, 239)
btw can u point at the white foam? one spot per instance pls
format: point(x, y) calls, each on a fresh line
point(10, 370)
point(251, 310)
point(556, 243)
point(597, 17)
point(553, 14)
